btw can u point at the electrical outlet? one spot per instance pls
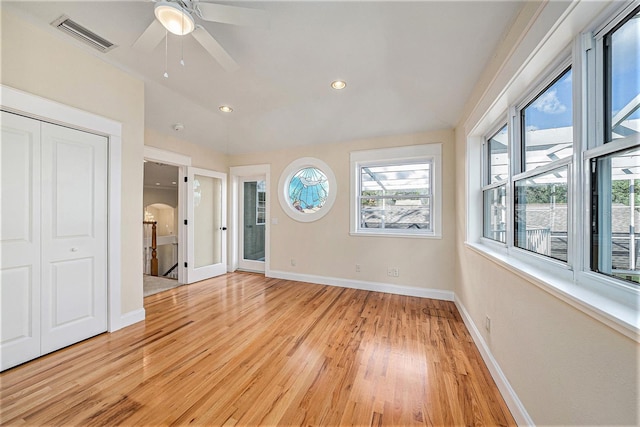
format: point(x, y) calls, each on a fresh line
point(293, 262)
point(487, 323)
point(393, 272)
point(357, 268)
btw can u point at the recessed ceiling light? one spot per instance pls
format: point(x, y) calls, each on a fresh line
point(173, 182)
point(338, 84)
point(225, 109)
point(157, 183)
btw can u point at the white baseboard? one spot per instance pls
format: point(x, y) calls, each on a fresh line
point(508, 394)
point(362, 285)
point(131, 317)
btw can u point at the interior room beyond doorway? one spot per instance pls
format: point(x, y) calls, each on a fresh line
point(160, 218)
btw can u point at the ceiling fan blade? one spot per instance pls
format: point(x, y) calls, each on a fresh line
point(233, 15)
point(151, 37)
point(214, 48)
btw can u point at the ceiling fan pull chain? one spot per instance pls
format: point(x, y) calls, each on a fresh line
point(182, 43)
point(182, 51)
point(166, 53)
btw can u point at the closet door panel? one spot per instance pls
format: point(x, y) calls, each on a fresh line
point(74, 226)
point(19, 240)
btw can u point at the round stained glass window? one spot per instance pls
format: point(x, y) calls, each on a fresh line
point(307, 189)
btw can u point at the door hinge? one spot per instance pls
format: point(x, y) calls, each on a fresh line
point(185, 222)
point(185, 265)
point(186, 179)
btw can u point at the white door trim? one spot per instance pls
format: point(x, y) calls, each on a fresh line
point(36, 107)
point(182, 162)
point(236, 172)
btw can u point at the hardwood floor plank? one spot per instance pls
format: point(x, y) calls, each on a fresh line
point(244, 350)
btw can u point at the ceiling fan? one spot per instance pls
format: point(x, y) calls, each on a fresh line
point(179, 17)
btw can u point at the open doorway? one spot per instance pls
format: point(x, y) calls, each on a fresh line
point(160, 239)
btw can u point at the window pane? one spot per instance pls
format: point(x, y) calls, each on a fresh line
point(400, 179)
point(623, 85)
point(495, 213)
point(308, 190)
point(615, 214)
point(541, 214)
point(389, 213)
point(261, 202)
point(547, 124)
point(396, 196)
point(497, 158)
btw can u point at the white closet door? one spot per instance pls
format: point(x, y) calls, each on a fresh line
point(74, 236)
point(19, 240)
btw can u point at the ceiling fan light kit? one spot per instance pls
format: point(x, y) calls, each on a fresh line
point(174, 18)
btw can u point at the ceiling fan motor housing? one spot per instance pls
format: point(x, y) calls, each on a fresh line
point(175, 17)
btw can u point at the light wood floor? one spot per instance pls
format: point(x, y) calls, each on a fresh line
point(244, 350)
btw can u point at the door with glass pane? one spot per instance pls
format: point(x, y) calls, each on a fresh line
point(253, 219)
point(206, 224)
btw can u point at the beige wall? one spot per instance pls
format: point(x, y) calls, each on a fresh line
point(325, 248)
point(160, 195)
point(566, 367)
point(36, 62)
point(201, 157)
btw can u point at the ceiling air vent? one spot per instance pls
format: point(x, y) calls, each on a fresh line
point(77, 31)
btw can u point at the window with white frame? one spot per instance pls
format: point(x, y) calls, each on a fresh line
point(397, 191)
point(541, 199)
point(614, 156)
point(496, 177)
point(582, 213)
point(261, 202)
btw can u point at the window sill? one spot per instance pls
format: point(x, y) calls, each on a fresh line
point(614, 305)
point(403, 235)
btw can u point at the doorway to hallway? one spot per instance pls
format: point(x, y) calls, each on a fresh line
point(161, 229)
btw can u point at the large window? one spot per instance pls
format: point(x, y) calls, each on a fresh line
point(396, 191)
point(614, 162)
point(539, 203)
point(558, 185)
point(540, 180)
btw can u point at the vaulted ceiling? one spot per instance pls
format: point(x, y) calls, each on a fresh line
point(409, 67)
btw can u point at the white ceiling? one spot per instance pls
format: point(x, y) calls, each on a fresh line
point(409, 67)
point(158, 175)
